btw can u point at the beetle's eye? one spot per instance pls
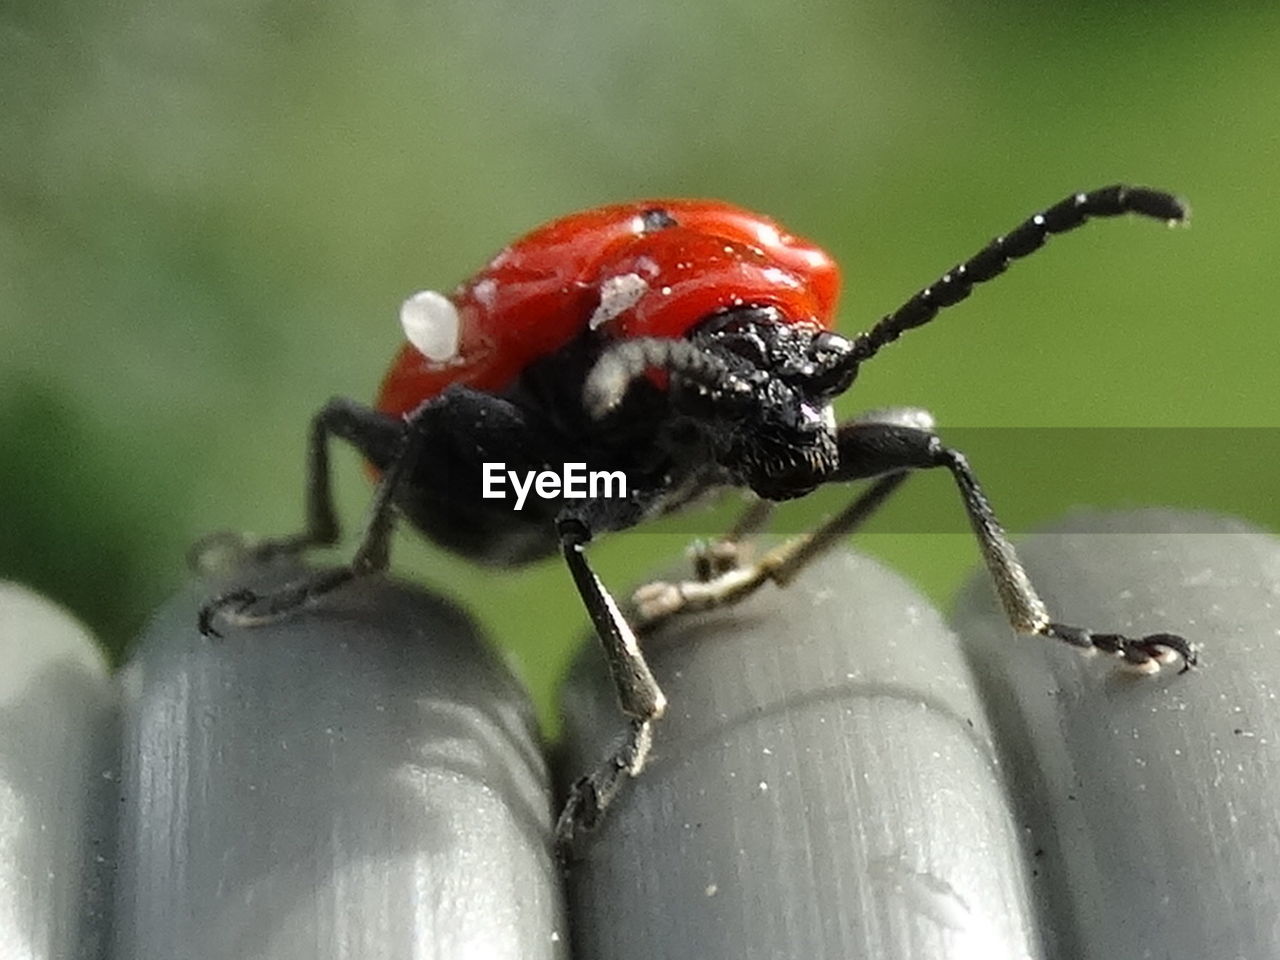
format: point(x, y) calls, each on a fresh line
point(828, 344)
point(832, 359)
point(431, 324)
point(830, 349)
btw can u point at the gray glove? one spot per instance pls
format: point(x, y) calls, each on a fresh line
point(831, 780)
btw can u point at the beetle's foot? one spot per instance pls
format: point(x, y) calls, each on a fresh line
point(714, 558)
point(231, 601)
point(1143, 654)
point(247, 608)
point(581, 814)
point(590, 796)
point(658, 601)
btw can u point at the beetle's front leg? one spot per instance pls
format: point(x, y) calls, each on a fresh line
point(871, 449)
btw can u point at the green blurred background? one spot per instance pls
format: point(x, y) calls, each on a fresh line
point(209, 213)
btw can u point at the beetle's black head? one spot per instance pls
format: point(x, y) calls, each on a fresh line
point(813, 362)
point(756, 387)
point(778, 435)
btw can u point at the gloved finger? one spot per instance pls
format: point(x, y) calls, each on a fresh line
point(1150, 803)
point(57, 766)
point(360, 778)
point(824, 785)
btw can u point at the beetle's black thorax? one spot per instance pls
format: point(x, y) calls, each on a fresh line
point(744, 401)
point(666, 453)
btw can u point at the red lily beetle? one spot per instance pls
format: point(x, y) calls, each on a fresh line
point(684, 346)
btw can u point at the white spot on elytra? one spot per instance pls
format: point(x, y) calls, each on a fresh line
point(782, 278)
point(485, 292)
point(617, 295)
point(431, 324)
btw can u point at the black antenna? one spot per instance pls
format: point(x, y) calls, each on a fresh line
point(1023, 240)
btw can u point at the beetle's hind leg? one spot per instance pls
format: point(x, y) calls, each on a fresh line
point(243, 607)
point(459, 419)
point(375, 434)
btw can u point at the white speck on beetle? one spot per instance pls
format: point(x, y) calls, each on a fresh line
point(486, 292)
point(431, 323)
point(712, 889)
point(618, 295)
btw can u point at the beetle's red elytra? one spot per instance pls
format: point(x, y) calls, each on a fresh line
point(687, 346)
point(610, 268)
